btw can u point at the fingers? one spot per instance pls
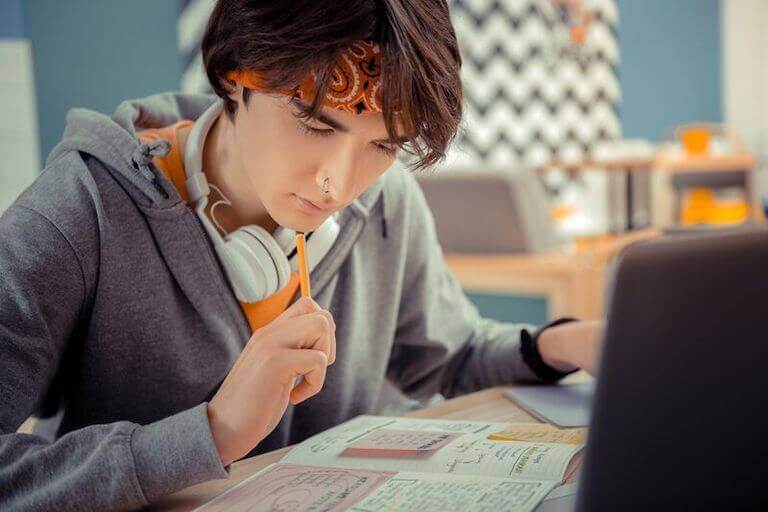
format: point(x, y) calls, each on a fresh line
point(302, 306)
point(305, 330)
point(332, 322)
point(309, 331)
point(312, 365)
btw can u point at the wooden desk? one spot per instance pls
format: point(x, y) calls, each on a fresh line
point(572, 282)
point(486, 405)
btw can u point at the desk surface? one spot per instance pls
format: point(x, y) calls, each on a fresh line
point(486, 405)
point(572, 281)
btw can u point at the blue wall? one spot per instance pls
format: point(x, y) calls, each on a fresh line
point(96, 54)
point(511, 308)
point(670, 71)
point(11, 19)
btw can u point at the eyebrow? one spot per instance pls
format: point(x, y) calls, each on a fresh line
point(325, 119)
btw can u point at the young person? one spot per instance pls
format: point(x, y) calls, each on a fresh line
point(149, 289)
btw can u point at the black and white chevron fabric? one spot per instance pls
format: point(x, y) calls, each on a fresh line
point(529, 94)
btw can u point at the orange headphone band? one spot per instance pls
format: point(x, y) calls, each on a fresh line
point(355, 81)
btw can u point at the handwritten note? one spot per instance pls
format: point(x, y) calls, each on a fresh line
point(473, 455)
point(283, 487)
point(540, 433)
point(421, 492)
point(389, 442)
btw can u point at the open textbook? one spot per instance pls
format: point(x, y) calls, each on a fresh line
point(377, 463)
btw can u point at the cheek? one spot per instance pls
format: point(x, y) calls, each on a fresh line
point(270, 157)
point(374, 166)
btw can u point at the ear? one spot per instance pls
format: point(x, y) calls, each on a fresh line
point(236, 94)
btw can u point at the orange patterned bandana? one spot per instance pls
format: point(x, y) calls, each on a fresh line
point(354, 87)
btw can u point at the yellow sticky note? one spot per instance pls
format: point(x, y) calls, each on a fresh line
point(540, 433)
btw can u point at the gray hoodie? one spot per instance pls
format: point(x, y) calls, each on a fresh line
point(115, 309)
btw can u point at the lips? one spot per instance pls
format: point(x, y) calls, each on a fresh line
point(310, 206)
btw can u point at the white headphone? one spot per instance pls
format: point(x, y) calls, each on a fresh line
point(257, 263)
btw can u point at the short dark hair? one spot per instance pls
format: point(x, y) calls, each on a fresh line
point(286, 40)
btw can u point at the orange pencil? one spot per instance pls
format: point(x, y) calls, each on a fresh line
point(301, 249)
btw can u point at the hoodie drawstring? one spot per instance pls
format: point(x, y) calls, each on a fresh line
point(383, 215)
point(143, 156)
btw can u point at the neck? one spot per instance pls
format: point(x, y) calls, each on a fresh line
point(224, 170)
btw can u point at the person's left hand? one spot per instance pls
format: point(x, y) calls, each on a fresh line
point(572, 345)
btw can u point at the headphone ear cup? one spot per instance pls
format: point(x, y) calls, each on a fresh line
point(280, 268)
point(255, 263)
point(248, 285)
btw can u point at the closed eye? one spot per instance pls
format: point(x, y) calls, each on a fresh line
point(319, 132)
point(386, 149)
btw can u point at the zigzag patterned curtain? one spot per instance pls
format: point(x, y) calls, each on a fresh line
point(530, 95)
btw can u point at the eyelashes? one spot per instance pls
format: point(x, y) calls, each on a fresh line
point(317, 132)
point(305, 128)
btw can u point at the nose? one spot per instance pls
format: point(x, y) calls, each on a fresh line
point(339, 169)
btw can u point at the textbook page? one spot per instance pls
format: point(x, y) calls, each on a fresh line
point(470, 453)
point(281, 487)
point(434, 492)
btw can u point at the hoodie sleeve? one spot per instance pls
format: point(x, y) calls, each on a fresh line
point(112, 466)
point(442, 345)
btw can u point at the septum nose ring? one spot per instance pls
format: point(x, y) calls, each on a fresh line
point(325, 185)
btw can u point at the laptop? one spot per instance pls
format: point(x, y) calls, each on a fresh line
point(680, 415)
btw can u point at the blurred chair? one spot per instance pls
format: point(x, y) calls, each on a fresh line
point(489, 212)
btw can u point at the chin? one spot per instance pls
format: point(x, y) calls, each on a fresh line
point(299, 221)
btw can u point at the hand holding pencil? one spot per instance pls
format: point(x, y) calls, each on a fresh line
point(306, 290)
point(283, 362)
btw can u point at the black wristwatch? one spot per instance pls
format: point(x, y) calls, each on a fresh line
point(532, 357)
